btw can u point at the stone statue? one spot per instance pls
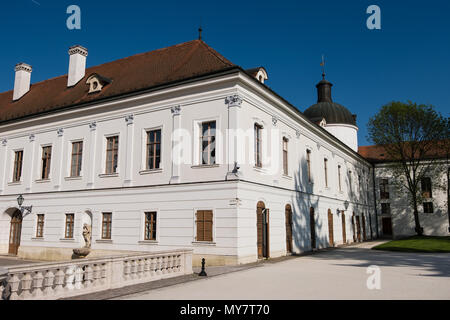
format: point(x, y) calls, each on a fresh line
point(87, 235)
point(83, 252)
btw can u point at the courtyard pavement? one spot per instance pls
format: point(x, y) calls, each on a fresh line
point(339, 273)
point(8, 261)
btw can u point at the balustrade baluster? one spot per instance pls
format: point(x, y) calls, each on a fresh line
point(59, 281)
point(38, 279)
point(14, 283)
point(147, 266)
point(133, 269)
point(127, 270)
point(78, 278)
point(140, 268)
point(48, 283)
point(26, 286)
point(97, 275)
point(89, 276)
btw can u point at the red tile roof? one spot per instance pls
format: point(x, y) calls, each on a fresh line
point(138, 72)
point(377, 154)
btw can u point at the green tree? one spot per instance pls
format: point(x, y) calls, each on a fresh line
point(412, 136)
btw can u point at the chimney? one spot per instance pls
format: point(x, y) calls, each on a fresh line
point(22, 80)
point(77, 64)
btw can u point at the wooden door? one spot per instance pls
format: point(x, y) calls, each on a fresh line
point(312, 224)
point(288, 214)
point(330, 228)
point(358, 229)
point(262, 226)
point(15, 232)
point(364, 227)
point(344, 233)
point(387, 226)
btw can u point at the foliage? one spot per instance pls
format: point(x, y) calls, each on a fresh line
point(413, 137)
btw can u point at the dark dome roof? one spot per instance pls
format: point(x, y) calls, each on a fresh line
point(326, 108)
point(331, 111)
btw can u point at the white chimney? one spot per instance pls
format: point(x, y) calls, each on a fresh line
point(77, 64)
point(22, 80)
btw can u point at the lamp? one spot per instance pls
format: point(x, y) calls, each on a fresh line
point(20, 200)
point(346, 203)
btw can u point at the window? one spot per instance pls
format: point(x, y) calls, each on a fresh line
point(339, 178)
point(46, 160)
point(285, 156)
point(208, 142)
point(70, 217)
point(385, 208)
point(77, 155)
point(428, 207)
point(112, 148)
point(40, 226)
point(350, 182)
point(150, 226)
point(18, 160)
point(384, 189)
point(153, 149)
point(426, 188)
point(204, 225)
point(106, 225)
point(325, 168)
point(308, 164)
point(258, 138)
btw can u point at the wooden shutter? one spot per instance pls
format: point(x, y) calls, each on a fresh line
point(204, 225)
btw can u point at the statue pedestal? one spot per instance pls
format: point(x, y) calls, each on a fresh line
point(81, 252)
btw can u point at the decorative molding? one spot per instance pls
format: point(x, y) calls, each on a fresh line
point(318, 146)
point(233, 101)
point(4, 142)
point(176, 110)
point(60, 132)
point(31, 137)
point(78, 49)
point(129, 119)
point(93, 126)
point(274, 120)
point(297, 133)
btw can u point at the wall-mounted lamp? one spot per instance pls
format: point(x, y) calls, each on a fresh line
point(20, 200)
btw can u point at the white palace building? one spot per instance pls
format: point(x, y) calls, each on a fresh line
point(177, 148)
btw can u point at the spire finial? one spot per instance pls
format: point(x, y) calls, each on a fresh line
point(323, 67)
point(200, 33)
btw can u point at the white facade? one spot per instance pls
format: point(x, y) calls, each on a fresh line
point(177, 191)
point(400, 215)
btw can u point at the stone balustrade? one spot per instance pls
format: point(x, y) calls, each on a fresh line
point(57, 280)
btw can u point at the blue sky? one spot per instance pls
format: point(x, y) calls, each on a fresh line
point(408, 59)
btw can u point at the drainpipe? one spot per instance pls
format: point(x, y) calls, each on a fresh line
point(375, 198)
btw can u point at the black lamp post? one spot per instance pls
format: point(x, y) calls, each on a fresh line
point(20, 200)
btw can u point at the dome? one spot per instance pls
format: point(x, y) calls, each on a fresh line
point(334, 113)
point(331, 111)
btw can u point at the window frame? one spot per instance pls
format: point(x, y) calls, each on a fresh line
point(285, 147)
point(108, 223)
point(79, 157)
point(339, 167)
point(153, 145)
point(15, 166)
point(71, 224)
point(201, 139)
point(428, 207)
point(426, 193)
point(325, 171)
point(384, 185)
point(153, 227)
point(386, 205)
point(46, 162)
point(196, 224)
point(257, 133)
point(115, 148)
point(40, 225)
point(308, 165)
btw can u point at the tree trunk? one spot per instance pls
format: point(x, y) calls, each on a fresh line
point(419, 230)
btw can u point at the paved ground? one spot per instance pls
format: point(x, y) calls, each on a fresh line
point(6, 260)
point(331, 274)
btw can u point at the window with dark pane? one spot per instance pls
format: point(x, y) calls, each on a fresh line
point(112, 149)
point(70, 217)
point(46, 160)
point(153, 149)
point(428, 207)
point(426, 188)
point(106, 225)
point(285, 156)
point(384, 189)
point(77, 156)
point(18, 161)
point(150, 226)
point(258, 145)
